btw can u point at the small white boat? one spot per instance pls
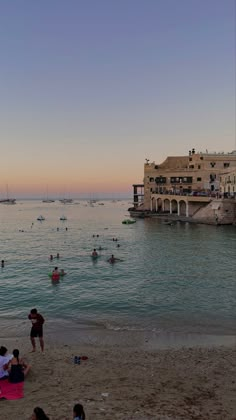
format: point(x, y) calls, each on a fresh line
point(40, 218)
point(63, 218)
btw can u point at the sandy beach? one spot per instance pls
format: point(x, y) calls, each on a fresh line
point(128, 382)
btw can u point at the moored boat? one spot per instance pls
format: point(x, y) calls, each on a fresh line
point(128, 222)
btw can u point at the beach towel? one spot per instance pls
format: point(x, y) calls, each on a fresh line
point(11, 391)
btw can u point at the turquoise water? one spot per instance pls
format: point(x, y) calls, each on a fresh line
point(178, 278)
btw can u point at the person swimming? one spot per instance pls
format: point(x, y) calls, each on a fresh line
point(56, 274)
point(94, 253)
point(112, 259)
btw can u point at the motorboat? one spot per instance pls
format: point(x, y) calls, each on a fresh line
point(128, 222)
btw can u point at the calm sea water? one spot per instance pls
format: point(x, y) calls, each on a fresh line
point(178, 278)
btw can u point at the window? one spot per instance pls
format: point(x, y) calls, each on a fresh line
point(191, 166)
point(151, 179)
point(160, 180)
point(201, 157)
point(199, 166)
point(190, 159)
point(178, 180)
point(226, 164)
point(199, 179)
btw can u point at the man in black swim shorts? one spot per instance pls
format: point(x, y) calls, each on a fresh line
point(37, 321)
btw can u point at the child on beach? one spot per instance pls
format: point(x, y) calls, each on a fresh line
point(39, 414)
point(78, 412)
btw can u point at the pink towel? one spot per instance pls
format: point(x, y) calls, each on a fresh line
point(11, 391)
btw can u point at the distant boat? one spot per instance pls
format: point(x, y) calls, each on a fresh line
point(8, 200)
point(66, 200)
point(40, 218)
point(48, 200)
point(63, 218)
point(128, 222)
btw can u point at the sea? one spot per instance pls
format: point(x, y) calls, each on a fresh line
point(177, 279)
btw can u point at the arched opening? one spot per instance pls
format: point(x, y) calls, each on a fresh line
point(174, 206)
point(166, 208)
point(182, 208)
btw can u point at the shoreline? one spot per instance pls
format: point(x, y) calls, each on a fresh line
point(84, 333)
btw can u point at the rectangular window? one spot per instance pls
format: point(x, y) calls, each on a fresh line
point(160, 180)
point(199, 166)
point(226, 164)
point(199, 179)
point(151, 179)
point(191, 166)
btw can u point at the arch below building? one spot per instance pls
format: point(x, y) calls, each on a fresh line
point(182, 208)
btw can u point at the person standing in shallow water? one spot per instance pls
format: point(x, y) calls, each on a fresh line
point(37, 321)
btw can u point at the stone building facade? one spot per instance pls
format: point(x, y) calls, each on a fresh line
point(195, 173)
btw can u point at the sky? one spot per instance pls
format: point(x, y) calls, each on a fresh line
point(89, 89)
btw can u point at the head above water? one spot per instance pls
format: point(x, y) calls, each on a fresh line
point(3, 351)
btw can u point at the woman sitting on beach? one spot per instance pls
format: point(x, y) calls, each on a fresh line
point(38, 414)
point(17, 369)
point(78, 412)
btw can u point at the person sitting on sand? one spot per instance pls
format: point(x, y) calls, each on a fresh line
point(4, 362)
point(78, 412)
point(17, 369)
point(94, 253)
point(38, 414)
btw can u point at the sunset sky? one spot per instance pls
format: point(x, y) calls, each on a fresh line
point(89, 89)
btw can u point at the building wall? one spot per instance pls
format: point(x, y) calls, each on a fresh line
point(185, 174)
point(228, 182)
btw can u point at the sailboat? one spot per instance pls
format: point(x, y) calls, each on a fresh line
point(48, 200)
point(8, 200)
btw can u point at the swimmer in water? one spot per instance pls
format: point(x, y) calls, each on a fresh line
point(112, 259)
point(94, 253)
